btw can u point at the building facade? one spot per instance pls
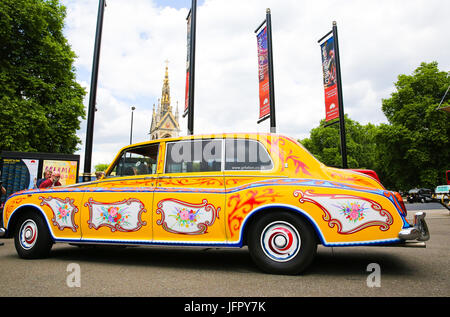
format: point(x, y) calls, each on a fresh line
point(164, 123)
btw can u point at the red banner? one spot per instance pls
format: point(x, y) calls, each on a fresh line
point(263, 72)
point(188, 60)
point(186, 104)
point(329, 80)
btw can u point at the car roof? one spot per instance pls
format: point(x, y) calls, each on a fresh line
point(240, 135)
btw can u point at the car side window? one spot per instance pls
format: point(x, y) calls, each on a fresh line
point(194, 156)
point(244, 154)
point(140, 160)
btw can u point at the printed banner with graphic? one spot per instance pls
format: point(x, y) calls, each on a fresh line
point(67, 169)
point(19, 174)
point(330, 80)
point(188, 62)
point(263, 73)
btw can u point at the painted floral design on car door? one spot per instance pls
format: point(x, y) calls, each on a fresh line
point(185, 218)
point(125, 216)
point(63, 212)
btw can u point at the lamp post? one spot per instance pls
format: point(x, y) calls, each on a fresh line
point(131, 129)
point(191, 89)
point(93, 94)
point(273, 125)
point(340, 96)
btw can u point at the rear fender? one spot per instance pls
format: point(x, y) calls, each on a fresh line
point(257, 212)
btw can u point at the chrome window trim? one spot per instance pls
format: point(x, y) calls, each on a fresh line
point(190, 140)
point(265, 149)
point(223, 157)
point(134, 147)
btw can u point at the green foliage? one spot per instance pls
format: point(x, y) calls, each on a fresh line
point(324, 144)
point(41, 102)
point(414, 149)
point(101, 167)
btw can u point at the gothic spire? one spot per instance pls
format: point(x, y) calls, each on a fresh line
point(165, 96)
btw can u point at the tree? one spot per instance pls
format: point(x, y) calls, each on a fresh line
point(41, 102)
point(101, 167)
point(414, 149)
point(324, 144)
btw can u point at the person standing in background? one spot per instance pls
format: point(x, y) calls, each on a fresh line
point(52, 181)
point(47, 175)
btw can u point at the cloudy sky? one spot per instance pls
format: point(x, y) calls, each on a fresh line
point(378, 40)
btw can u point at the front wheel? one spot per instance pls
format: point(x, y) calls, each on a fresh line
point(32, 238)
point(282, 243)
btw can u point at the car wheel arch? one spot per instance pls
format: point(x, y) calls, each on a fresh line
point(264, 210)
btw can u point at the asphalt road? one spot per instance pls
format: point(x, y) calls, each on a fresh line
point(422, 206)
point(210, 272)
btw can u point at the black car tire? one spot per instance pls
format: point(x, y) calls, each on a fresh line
point(282, 243)
point(32, 238)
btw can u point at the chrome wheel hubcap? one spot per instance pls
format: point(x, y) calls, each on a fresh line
point(280, 241)
point(28, 234)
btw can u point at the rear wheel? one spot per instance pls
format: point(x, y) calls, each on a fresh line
point(282, 243)
point(32, 238)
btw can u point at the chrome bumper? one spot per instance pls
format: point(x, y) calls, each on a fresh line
point(2, 232)
point(419, 231)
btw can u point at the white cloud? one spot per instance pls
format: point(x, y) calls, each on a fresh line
point(378, 41)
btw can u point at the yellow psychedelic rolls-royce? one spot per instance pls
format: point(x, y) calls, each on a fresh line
point(264, 191)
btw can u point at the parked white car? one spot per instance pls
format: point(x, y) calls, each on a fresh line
point(442, 193)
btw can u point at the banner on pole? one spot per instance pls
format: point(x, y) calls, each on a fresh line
point(330, 80)
point(263, 73)
point(188, 64)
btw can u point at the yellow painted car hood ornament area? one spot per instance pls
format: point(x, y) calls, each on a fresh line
point(264, 191)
